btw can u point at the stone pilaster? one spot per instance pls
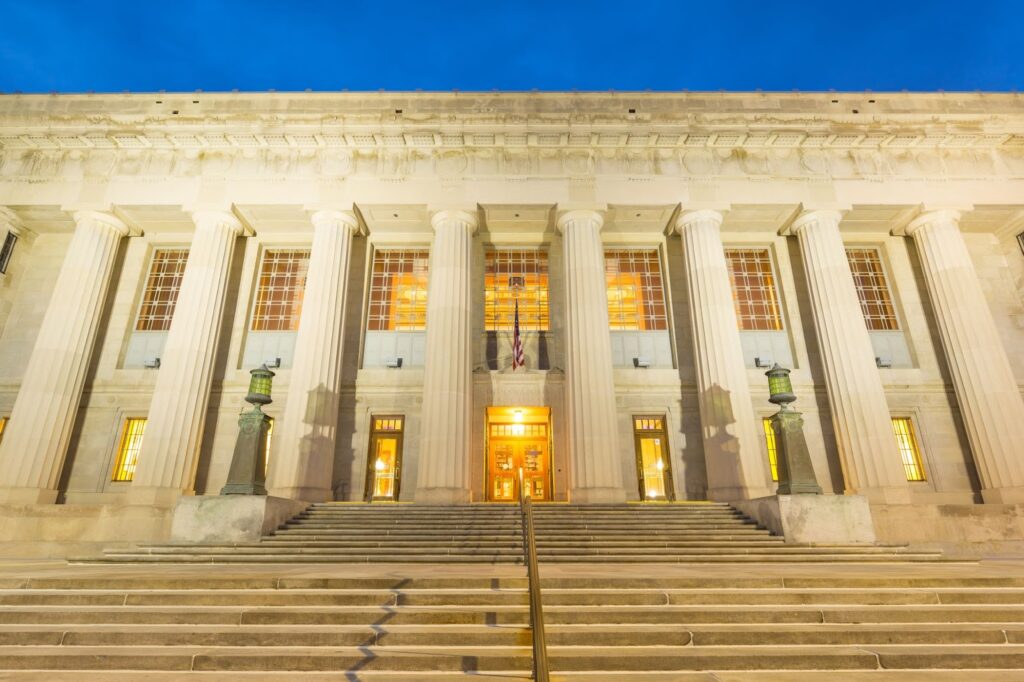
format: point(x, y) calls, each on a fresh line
point(986, 390)
point(860, 415)
point(36, 441)
point(445, 443)
point(736, 468)
point(595, 464)
point(302, 466)
point(177, 414)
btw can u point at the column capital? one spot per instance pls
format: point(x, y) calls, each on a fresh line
point(10, 220)
point(810, 217)
point(579, 215)
point(688, 217)
point(944, 215)
point(443, 216)
point(225, 220)
point(103, 219)
point(334, 218)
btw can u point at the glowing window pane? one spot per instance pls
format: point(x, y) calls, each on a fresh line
point(128, 450)
point(872, 289)
point(753, 289)
point(509, 275)
point(903, 428)
point(773, 453)
point(266, 446)
point(636, 297)
point(279, 290)
point(161, 292)
point(398, 291)
point(3, 425)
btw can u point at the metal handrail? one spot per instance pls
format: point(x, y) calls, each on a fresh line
point(540, 646)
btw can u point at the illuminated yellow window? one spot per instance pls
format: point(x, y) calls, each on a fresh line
point(3, 425)
point(161, 292)
point(872, 289)
point(910, 453)
point(773, 452)
point(280, 289)
point(511, 274)
point(398, 291)
point(388, 424)
point(266, 446)
point(636, 298)
point(753, 289)
point(647, 424)
point(128, 450)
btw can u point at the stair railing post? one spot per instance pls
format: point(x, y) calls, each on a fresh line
point(540, 647)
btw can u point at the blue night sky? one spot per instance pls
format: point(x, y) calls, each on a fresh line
point(78, 45)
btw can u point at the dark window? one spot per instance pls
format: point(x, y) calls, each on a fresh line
point(6, 251)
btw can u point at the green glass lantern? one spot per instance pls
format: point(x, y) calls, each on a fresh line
point(780, 387)
point(260, 383)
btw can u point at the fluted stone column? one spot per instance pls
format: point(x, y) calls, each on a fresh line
point(736, 468)
point(302, 467)
point(36, 441)
point(986, 389)
point(595, 463)
point(177, 414)
point(445, 443)
point(860, 415)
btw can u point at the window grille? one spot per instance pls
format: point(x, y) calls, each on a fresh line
point(387, 424)
point(516, 274)
point(163, 284)
point(7, 250)
point(773, 451)
point(647, 424)
point(281, 287)
point(519, 430)
point(903, 428)
point(872, 289)
point(636, 297)
point(398, 291)
point(128, 449)
point(753, 289)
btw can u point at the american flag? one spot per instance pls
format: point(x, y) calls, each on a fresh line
point(518, 359)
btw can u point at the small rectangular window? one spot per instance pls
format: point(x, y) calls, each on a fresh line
point(903, 428)
point(280, 289)
point(398, 291)
point(773, 452)
point(7, 250)
point(128, 449)
point(162, 287)
point(3, 425)
point(266, 446)
point(516, 275)
point(647, 424)
point(872, 289)
point(753, 289)
point(636, 297)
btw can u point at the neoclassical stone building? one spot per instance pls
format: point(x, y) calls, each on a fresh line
point(661, 251)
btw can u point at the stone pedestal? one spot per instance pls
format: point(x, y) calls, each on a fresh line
point(986, 389)
point(736, 468)
point(818, 519)
point(302, 466)
point(863, 427)
point(796, 473)
point(248, 475)
point(177, 414)
point(36, 439)
point(443, 476)
point(230, 518)
point(595, 465)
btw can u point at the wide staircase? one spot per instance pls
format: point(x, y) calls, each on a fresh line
point(649, 533)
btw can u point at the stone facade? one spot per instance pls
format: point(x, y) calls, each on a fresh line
point(92, 184)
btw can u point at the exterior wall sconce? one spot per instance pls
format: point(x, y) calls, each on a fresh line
point(151, 363)
point(248, 473)
point(272, 362)
point(641, 363)
point(883, 362)
point(763, 362)
point(393, 363)
point(796, 473)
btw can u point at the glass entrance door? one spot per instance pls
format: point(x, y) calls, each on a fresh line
point(384, 460)
point(518, 439)
point(654, 466)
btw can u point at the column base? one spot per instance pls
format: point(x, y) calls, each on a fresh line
point(154, 496)
point(28, 496)
point(1003, 495)
point(733, 494)
point(885, 495)
point(230, 518)
point(819, 519)
point(597, 496)
point(443, 496)
point(306, 494)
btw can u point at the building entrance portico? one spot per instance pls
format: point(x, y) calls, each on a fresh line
point(518, 438)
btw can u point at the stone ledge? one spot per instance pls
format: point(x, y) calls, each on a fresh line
point(230, 518)
point(816, 519)
point(62, 530)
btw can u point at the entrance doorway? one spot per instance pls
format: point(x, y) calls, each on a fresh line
point(653, 464)
point(518, 437)
point(384, 460)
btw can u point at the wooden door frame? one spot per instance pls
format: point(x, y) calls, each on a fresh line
point(668, 479)
point(488, 491)
point(371, 471)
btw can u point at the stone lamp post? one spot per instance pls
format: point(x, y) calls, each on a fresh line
point(248, 473)
point(796, 474)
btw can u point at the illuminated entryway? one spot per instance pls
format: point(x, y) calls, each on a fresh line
point(384, 462)
point(654, 466)
point(518, 437)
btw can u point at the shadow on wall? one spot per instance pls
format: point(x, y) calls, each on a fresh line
point(721, 448)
